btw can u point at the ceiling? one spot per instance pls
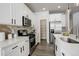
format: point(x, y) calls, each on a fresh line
point(52, 7)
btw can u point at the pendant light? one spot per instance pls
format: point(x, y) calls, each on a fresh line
point(68, 9)
point(68, 17)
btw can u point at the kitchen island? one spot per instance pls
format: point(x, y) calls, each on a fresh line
point(64, 48)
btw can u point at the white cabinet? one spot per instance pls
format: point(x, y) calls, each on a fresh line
point(17, 12)
point(21, 49)
point(57, 47)
point(11, 13)
point(24, 48)
point(16, 49)
point(12, 50)
point(5, 13)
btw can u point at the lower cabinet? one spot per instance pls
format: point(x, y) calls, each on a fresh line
point(11, 50)
point(24, 48)
point(58, 47)
point(18, 49)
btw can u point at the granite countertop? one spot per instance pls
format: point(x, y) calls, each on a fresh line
point(12, 41)
point(72, 36)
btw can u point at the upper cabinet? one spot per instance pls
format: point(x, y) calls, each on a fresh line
point(17, 13)
point(11, 13)
point(5, 13)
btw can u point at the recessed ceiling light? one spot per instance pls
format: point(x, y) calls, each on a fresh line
point(59, 6)
point(43, 8)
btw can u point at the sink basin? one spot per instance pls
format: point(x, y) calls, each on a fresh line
point(69, 40)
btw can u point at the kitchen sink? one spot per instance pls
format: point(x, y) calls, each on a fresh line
point(69, 40)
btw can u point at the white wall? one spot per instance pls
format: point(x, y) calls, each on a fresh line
point(40, 16)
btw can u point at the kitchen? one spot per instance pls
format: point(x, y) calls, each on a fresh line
point(26, 28)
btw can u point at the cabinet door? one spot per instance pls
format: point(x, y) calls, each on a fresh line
point(15, 52)
point(21, 44)
point(12, 50)
point(17, 13)
point(5, 13)
point(26, 48)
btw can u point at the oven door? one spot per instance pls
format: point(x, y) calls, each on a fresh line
point(32, 40)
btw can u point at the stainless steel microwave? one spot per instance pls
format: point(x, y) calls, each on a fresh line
point(26, 22)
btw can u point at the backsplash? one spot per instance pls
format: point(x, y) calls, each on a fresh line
point(8, 30)
point(5, 28)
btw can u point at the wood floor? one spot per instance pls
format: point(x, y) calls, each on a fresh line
point(44, 49)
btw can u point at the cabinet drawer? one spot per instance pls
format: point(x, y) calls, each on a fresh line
point(10, 49)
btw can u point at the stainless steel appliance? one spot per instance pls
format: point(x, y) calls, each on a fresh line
point(26, 21)
point(32, 38)
point(30, 34)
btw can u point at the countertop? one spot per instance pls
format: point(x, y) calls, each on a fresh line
point(72, 36)
point(16, 40)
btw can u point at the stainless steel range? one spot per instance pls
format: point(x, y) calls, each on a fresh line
point(30, 31)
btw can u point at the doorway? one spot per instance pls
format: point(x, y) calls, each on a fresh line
point(43, 32)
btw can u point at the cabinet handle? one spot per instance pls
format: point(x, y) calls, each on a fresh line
point(56, 47)
point(23, 48)
point(14, 47)
point(12, 20)
point(63, 54)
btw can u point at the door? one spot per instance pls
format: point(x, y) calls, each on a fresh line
point(43, 30)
